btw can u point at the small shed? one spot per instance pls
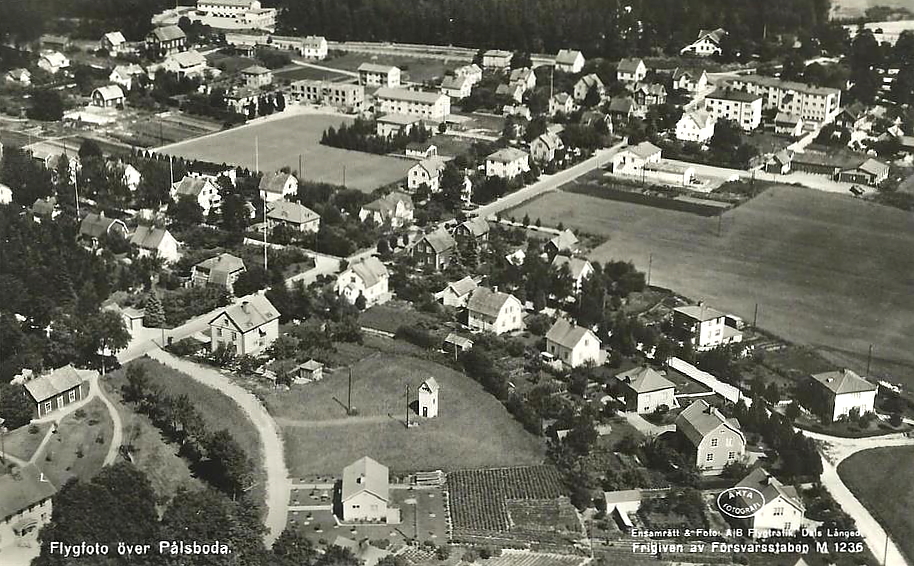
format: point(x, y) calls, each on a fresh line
point(312, 370)
point(456, 343)
point(428, 398)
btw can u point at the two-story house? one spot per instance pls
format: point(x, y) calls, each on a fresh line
point(367, 278)
point(394, 209)
point(457, 87)
point(739, 106)
point(471, 71)
point(524, 77)
point(257, 76)
point(294, 215)
point(427, 172)
point(631, 71)
point(457, 293)
point(201, 189)
point(435, 249)
point(113, 42)
point(166, 40)
point(365, 493)
point(25, 508)
point(573, 345)
point(277, 185)
point(372, 74)
point(222, 270)
point(714, 439)
point(565, 242)
point(645, 390)
point(562, 103)
point(705, 327)
point(507, 163)
point(692, 82)
point(543, 149)
point(569, 61)
point(695, 126)
point(586, 84)
point(781, 512)
point(475, 229)
point(249, 327)
point(834, 394)
point(579, 269)
point(631, 160)
point(95, 228)
point(497, 59)
point(707, 43)
point(493, 311)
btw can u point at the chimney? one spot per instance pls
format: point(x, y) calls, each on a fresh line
point(246, 307)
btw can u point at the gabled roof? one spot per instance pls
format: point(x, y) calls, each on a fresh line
point(148, 237)
point(566, 334)
point(97, 225)
point(55, 58)
point(784, 118)
point(522, 74)
point(506, 155)
point(431, 384)
point(873, 167)
point(498, 53)
point(193, 186)
point(454, 83)
point(167, 33)
point(255, 70)
point(409, 95)
point(576, 265)
point(565, 240)
point(250, 314)
point(590, 81)
point(292, 212)
point(21, 489)
point(567, 56)
point(366, 475)
point(476, 226)
point(458, 340)
point(550, 140)
point(186, 59)
point(221, 267)
point(433, 165)
point(375, 68)
point(370, 270)
point(109, 92)
point(714, 35)
point(621, 105)
point(53, 384)
point(699, 312)
point(129, 70)
point(562, 98)
point(843, 381)
point(508, 89)
point(488, 302)
point(770, 488)
point(699, 117)
point(115, 38)
point(700, 419)
point(440, 240)
point(314, 41)
point(463, 286)
point(274, 182)
point(644, 149)
point(629, 65)
point(643, 379)
point(387, 204)
point(782, 157)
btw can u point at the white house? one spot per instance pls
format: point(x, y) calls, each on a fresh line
point(108, 96)
point(569, 61)
point(587, 83)
point(187, 64)
point(222, 270)
point(53, 61)
point(580, 269)
point(432, 106)
point(277, 185)
point(113, 42)
point(155, 242)
point(126, 75)
point(457, 293)
point(471, 71)
point(514, 91)
point(840, 392)
point(365, 491)
point(782, 512)
point(250, 327)
point(631, 71)
point(367, 278)
point(573, 345)
point(294, 215)
point(631, 160)
point(19, 76)
point(705, 327)
point(562, 102)
point(257, 76)
point(202, 189)
point(707, 43)
point(395, 208)
point(497, 59)
point(390, 125)
point(543, 148)
point(788, 124)
point(457, 87)
point(507, 163)
point(689, 81)
point(524, 77)
point(739, 106)
point(492, 311)
point(428, 398)
point(564, 241)
point(234, 14)
point(26, 506)
point(6, 194)
point(695, 126)
point(426, 172)
point(644, 390)
point(314, 47)
point(372, 74)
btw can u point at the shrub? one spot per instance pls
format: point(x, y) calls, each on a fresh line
point(33, 429)
point(416, 335)
point(470, 556)
point(80, 414)
point(894, 419)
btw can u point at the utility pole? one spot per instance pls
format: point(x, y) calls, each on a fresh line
point(2, 441)
point(349, 398)
point(755, 317)
point(264, 197)
point(650, 264)
point(719, 220)
point(299, 165)
point(344, 175)
point(406, 412)
point(76, 189)
point(869, 360)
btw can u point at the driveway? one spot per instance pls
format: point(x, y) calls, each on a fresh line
point(278, 485)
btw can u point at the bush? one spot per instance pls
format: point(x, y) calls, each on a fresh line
point(80, 414)
point(894, 420)
point(470, 556)
point(33, 429)
point(416, 335)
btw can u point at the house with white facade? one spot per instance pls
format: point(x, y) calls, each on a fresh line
point(497, 59)
point(390, 125)
point(788, 124)
point(126, 75)
point(631, 160)
point(53, 61)
point(579, 269)
point(707, 43)
point(644, 390)
point(372, 74)
point(457, 293)
point(810, 102)
point(250, 327)
point(365, 494)
point(587, 83)
point(234, 15)
point(426, 172)
point(277, 185)
point(742, 107)
point(395, 209)
point(513, 91)
point(705, 327)
point(26, 507)
point(457, 87)
point(524, 77)
point(294, 215)
point(573, 345)
point(507, 163)
point(781, 513)
point(186, 64)
point(690, 81)
point(108, 96)
point(431, 106)
point(155, 242)
point(428, 398)
point(257, 76)
point(631, 71)
point(835, 394)
point(314, 47)
point(569, 61)
point(562, 102)
point(202, 189)
point(367, 278)
point(113, 42)
point(695, 126)
point(222, 270)
point(472, 71)
point(543, 148)
point(493, 311)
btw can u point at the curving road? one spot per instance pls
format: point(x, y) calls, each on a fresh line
point(278, 485)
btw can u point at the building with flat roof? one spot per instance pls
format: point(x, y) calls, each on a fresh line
point(234, 14)
point(344, 96)
point(744, 108)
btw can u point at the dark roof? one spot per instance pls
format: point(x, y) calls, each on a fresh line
point(255, 70)
point(734, 95)
point(274, 182)
point(192, 186)
point(621, 105)
point(770, 488)
point(476, 226)
point(566, 240)
point(699, 312)
point(629, 65)
point(220, 267)
point(387, 204)
point(167, 33)
point(53, 384)
point(148, 237)
point(97, 225)
point(21, 489)
point(440, 240)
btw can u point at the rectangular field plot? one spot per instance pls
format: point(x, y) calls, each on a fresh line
point(282, 140)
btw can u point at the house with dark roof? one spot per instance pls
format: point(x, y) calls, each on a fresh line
point(165, 40)
point(622, 108)
point(569, 61)
point(579, 269)
point(714, 439)
point(25, 505)
point(256, 76)
point(835, 394)
point(435, 249)
point(649, 94)
point(514, 91)
point(457, 293)
point(492, 311)
point(394, 209)
point(222, 270)
point(428, 398)
point(645, 390)
point(573, 345)
point(294, 215)
point(564, 242)
point(631, 71)
point(250, 327)
point(95, 228)
point(365, 494)
point(851, 117)
point(871, 172)
point(155, 242)
point(202, 189)
point(277, 185)
point(56, 390)
point(475, 229)
point(562, 103)
point(707, 43)
point(781, 512)
point(367, 278)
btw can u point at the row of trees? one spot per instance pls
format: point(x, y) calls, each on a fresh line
point(361, 135)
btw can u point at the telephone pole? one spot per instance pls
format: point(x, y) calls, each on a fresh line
point(755, 317)
point(406, 413)
point(349, 398)
point(869, 360)
point(650, 264)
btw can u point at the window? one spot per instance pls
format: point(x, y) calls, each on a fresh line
point(778, 511)
point(48, 407)
point(731, 455)
point(72, 395)
point(787, 526)
point(713, 442)
point(709, 457)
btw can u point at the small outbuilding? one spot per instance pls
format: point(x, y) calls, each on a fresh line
point(428, 398)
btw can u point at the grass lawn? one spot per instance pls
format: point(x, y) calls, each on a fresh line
point(281, 141)
point(90, 436)
point(451, 146)
point(881, 480)
point(22, 443)
point(229, 63)
point(391, 316)
point(314, 416)
point(412, 69)
point(152, 454)
point(297, 73)
point(219, 412)
point(825, 270)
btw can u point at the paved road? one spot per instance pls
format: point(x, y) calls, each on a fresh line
point(837, 449)
point(278, 485)
point(548, 183)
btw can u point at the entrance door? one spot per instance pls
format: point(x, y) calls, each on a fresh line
point(424, 411)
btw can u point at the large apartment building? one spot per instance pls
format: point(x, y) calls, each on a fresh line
point(234, 14)
point(740, 106)
point(348, 97)
point(809, 102)
point(372, 74)
point(431, 106)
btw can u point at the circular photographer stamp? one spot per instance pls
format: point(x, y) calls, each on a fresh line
point(740, 502)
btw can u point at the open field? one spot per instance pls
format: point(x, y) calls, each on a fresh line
point(825, 270)
point(881, 480)
point(22, 443)
point(152, 454)
point(842, 9)
point(80, 445)
point(314, 415)
point(412, 69)
point(297, 73)
point(282, 140)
